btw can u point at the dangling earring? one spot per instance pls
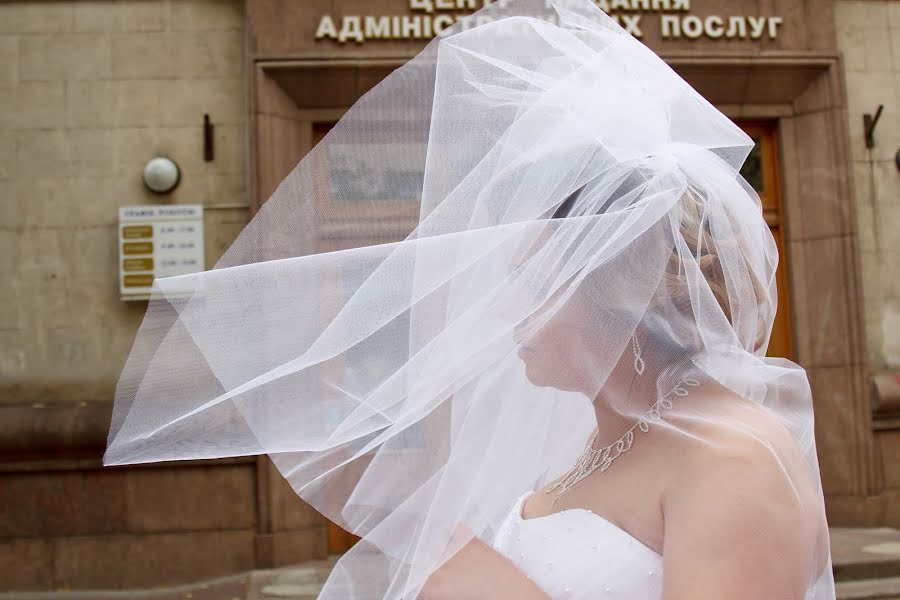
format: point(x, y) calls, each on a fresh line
point(638, 360)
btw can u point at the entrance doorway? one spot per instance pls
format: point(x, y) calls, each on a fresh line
point(760, 170)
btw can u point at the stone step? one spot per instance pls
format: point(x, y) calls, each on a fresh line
point(887, 588)
point(292, 591)
point(303, 582)
point(865, 553)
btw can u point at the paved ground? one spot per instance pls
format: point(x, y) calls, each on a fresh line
point(866, 567)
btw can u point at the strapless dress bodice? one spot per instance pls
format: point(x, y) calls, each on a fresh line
point(577, 554)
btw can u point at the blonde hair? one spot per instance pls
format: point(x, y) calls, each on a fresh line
point(695, 229)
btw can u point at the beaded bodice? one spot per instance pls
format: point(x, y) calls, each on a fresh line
point(577, 554)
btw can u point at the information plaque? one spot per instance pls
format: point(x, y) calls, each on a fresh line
point(157, 242)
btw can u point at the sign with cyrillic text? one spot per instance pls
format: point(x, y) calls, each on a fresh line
point(156, 242)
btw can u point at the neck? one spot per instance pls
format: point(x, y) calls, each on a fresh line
point(625, 398)
point(618, 405)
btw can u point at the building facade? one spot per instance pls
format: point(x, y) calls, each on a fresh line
point(91, 90)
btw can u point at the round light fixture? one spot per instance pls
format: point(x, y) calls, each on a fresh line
point(161, 175)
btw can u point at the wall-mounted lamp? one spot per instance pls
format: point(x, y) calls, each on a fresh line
point(161, 175)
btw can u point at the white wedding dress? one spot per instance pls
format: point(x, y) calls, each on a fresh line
point(577, 554)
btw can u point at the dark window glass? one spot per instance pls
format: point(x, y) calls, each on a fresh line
point(752, 169)
point(352, 179)
point(360, 186)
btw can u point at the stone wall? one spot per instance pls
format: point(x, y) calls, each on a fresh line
point(90, 91)
point(868, 36)
point(868, 33)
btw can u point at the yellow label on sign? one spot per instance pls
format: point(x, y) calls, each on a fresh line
point(145, 280)
point(137, 264)
point(137, 248)
point(131, 232)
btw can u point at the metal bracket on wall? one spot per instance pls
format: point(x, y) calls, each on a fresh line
point(869, 123)
point(208, 147)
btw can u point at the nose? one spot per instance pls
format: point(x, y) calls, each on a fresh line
point(519, 331)
point(524, 328)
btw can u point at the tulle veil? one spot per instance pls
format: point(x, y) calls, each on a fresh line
point(576, 197)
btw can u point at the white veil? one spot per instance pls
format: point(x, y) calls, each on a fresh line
point(581, 212)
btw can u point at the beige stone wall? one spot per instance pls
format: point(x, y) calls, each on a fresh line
point(868, 35)
point(89, 92)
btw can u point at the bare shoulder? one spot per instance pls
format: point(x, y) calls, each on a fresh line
point(741, 475)
point(725, 433)
point(739, 465)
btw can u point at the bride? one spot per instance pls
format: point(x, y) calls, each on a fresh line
point(714, 502)
point(556, 385)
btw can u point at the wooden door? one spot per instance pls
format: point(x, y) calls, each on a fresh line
point(339, 539)
point(761, 170)
point(356, 211)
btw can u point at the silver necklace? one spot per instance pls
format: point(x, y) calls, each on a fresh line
point(593, 459)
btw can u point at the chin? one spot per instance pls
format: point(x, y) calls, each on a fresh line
point(532, 372)
point(544, 378)
point(536, 381)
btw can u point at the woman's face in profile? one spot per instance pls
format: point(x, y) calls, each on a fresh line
point(566, 345)
point(553, 348)
point(554, 341)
